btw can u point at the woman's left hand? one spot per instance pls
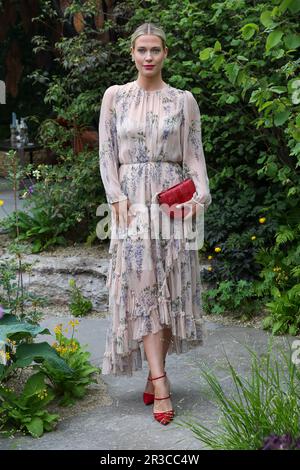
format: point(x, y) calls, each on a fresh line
point(190, 208)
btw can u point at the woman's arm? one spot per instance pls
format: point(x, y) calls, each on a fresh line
point(194, 165)
point(108, 147)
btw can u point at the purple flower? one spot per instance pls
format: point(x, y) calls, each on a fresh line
point(1, 312)
point(274, 442)
point(30, 189)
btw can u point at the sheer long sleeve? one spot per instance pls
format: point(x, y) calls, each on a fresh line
point(108, 147)
point(194, 165)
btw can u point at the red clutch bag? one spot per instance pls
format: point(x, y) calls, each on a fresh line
point(177, 194)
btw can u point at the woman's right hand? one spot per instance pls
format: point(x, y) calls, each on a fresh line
point(121, 210)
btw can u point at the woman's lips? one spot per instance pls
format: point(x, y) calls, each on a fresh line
point(148, 66)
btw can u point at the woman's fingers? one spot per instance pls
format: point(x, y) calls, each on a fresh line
point(190, 208)
point(124, 214)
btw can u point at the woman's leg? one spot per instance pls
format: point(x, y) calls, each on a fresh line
point(167, 335)
point(154, 346)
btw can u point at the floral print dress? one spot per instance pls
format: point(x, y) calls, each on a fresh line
point(148, 142)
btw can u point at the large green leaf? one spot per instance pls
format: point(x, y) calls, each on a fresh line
point(292, 40)
point(34, 384)
point(11, 326)
point(273, 39)
point(35, 427)
point(39, 352)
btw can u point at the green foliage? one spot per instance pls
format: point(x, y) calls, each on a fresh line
point(280, 276)
point(14, 296)
point(264, 403)
point(21, 334)
point(241, 60)
point(62, 203)
point(26, 411)
point(238, 298)
point(70, 385)
point(79, 306)
point(13, 328)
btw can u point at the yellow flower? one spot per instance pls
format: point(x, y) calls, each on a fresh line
point(253, 237)
point(209, 257)
point(262, 220)
point(7, 355)
point(57, 328)
point(1, 202)
point(218, 249)
point(209, 268)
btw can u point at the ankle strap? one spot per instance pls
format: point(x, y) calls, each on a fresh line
point(155, 378)
point(162, 398)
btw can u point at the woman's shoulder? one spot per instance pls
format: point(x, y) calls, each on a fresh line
point(110, 91)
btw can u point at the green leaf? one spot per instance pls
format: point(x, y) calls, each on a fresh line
point(35, 427)
point(278, 89)
point(273, 39)
point(294, 6)
point(248, 30)
point(196, 90)
point(232, 71)
point(206, 53)
point(284, 5)
point(277, 327)
point(217, 46)
point(39, 352)
point(292, 40)
point(281, 117)
point(266, 18)
point(34, 384)
point(10, 325)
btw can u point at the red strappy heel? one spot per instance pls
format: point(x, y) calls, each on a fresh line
point(148, 397)
point(163, 417)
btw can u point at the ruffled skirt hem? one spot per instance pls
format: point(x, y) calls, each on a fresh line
point(124, 351)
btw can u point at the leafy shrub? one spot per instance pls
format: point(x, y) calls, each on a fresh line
point(238, 298)
point(268, 402)
point(70, 385)
point(79, 305)
point(26, 411)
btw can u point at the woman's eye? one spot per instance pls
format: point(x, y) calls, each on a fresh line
point(156, 51)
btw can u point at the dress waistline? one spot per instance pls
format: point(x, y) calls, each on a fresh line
point(150, 161)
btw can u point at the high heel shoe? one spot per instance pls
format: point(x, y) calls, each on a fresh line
point(163, 417)
point(148, 397)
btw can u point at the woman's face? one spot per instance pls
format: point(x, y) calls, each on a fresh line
point(148, 50)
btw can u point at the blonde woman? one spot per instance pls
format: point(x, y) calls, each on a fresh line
point(150, 140)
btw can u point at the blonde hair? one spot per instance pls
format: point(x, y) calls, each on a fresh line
point(148, 28)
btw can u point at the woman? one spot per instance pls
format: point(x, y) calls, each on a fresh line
point(150, 140)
